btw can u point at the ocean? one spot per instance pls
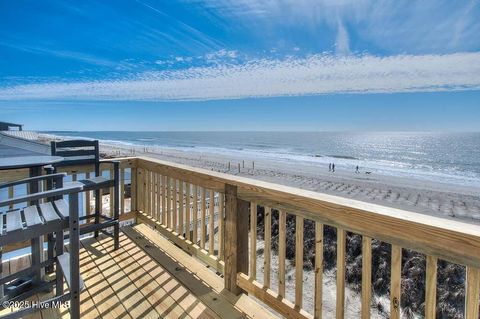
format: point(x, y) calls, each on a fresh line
point(446, 157)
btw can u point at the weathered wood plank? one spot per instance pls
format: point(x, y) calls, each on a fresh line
point(195, 214)
point(148, 192)
point(107, 304)
point(267, 249)
point(211, 222)
point(140, 190)
point(174, 205)
point(299, 262)
point(133, 189)
point(188, 246)
point(395, 285)
point(340, 302)
point(180, 208)
point(366, 276)
point(203, 226)
point(318, 306)
point(221, 226)
point(131, 298)
point(156, 298)
point(164, 200)
point(214, 295)
point(269, 297)
point(253, 240)
point(169, 202)
point(282, 225)
point(188, 220)
point(431, 288)
point(472, 293)
point(236, 238)
point(159, 197)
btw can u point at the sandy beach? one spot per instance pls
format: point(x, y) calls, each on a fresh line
point(449, 201)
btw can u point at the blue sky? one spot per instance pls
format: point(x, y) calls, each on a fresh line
point(241, 65)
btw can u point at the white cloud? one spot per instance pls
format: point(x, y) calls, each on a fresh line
point(223, 53)
point(342, 44)
point(317, 74)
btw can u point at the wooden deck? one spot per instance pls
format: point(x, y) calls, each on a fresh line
point(148, 277)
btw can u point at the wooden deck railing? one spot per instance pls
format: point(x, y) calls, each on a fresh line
point(213, 216)
point(176, 200)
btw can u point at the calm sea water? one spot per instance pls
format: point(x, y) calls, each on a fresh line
point(449, 157)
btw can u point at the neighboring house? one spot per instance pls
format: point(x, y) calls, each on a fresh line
point(5, 126)
point(19, 142)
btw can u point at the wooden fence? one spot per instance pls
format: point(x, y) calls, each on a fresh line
point(213, 216)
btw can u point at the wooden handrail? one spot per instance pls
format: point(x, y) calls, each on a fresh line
point(438, 238)
point(451, 240)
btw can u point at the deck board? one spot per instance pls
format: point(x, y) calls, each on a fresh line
point(146, 282)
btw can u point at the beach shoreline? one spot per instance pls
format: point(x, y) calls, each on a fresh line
point(450, 201)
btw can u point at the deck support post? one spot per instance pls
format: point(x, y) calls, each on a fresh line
point(236, 238)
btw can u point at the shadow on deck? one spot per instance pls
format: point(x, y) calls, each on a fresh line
point(148, 277)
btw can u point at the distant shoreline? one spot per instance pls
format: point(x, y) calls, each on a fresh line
point(422, 196)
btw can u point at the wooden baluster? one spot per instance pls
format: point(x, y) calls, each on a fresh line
point(221, 226)
point(133, 189)
point(366, 276)
point(154, 196)
point(187, 211)
point(175, 204)
point(236, 238)
point(472, 291)
point(211, 222)
point(122, 191)
point(267, 250)
point(253, 241)
point(203, 218)
point(431, 288)
point(282, 238)
point(169, 203)
point(148, 193)
point(153, 183)
point(180, 208)
point(299, 262)
point(140, 190)
point(159, 197)
point(395, 285)
point(340, 310)
point(195, 214)
point(164, 200)
point(318, 306)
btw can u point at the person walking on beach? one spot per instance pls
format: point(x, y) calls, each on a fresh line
point(329, 167)
point(333, 167)
point(356, 170)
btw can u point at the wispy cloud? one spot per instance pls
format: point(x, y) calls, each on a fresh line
point(427, 26)
point(342, 45)
point(317, 74)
